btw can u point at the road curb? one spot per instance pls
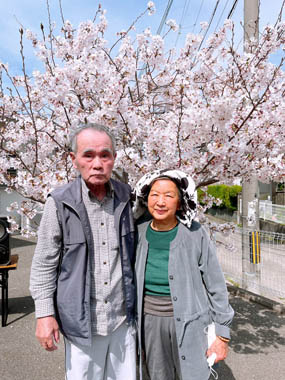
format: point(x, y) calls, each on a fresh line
point(279, 308)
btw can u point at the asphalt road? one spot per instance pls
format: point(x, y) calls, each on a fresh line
point(257, 347)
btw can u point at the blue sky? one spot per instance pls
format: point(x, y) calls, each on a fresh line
point(120, 14)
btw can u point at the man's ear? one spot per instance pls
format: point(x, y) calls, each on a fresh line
point(73, 158)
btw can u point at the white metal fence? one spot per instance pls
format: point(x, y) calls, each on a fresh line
point(272, 212)
point(255, 261)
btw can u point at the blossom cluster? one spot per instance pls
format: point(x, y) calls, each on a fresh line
point(213, 111)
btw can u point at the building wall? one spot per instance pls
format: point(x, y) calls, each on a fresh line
point(5, 200)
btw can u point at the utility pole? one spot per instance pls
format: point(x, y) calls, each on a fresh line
point(251, 19)
point(250, 189)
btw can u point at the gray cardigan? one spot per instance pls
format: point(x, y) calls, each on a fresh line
point(198, 291)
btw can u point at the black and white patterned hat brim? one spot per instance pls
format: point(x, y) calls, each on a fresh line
point(185, 184)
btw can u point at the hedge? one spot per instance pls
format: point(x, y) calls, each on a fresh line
point(227, 194)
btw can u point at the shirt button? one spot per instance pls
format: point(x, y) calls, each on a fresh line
point(106, 301)
point(178, 319)
point(171, 277)
point(104, 262)
point(104, 243)
point(183, 357)
point(102, 224)
point(174, 298)
point(105, 283)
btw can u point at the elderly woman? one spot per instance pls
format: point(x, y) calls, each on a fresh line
point(180, 286)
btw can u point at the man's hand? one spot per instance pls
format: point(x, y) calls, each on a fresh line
point(220, 348)
point(47, 333)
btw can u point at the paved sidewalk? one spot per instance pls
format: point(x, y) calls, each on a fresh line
point(257, 346)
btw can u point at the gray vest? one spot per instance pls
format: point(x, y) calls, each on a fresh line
point(72, 297)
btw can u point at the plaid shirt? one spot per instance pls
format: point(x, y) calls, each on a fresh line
point(107, 298)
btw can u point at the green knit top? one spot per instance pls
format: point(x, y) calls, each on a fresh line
point(156, 273)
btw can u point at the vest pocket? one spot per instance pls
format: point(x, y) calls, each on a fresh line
point(76, 236)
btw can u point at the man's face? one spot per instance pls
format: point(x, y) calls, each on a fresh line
point(94, 158)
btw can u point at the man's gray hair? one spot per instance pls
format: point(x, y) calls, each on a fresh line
point(96, 127)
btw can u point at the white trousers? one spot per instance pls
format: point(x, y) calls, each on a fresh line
point(111, 357)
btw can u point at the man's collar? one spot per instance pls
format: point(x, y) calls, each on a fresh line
point(87, 191)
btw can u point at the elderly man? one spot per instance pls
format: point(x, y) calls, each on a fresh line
point(82, 271)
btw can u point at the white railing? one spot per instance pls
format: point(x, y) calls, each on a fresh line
point(255, 263)
point(269, 211)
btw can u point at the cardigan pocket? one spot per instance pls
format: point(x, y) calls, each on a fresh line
point(189, 319)
point(193, 346)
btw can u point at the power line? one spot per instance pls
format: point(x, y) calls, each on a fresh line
point(280, 13)
point(162, 22)
point(184, 12)
point(221, 15)
point(197, 16)
point(185, 9)
point(233, 8)
point(209, 24)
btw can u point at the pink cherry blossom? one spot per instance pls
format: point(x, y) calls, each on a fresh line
point(215, 112)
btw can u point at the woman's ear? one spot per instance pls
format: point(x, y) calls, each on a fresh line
point(179, 206)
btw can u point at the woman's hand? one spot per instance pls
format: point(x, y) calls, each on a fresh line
point(220, 348)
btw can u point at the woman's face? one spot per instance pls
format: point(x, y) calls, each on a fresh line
point(163, 200)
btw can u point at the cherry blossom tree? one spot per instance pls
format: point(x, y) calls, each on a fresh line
point(213, 111)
